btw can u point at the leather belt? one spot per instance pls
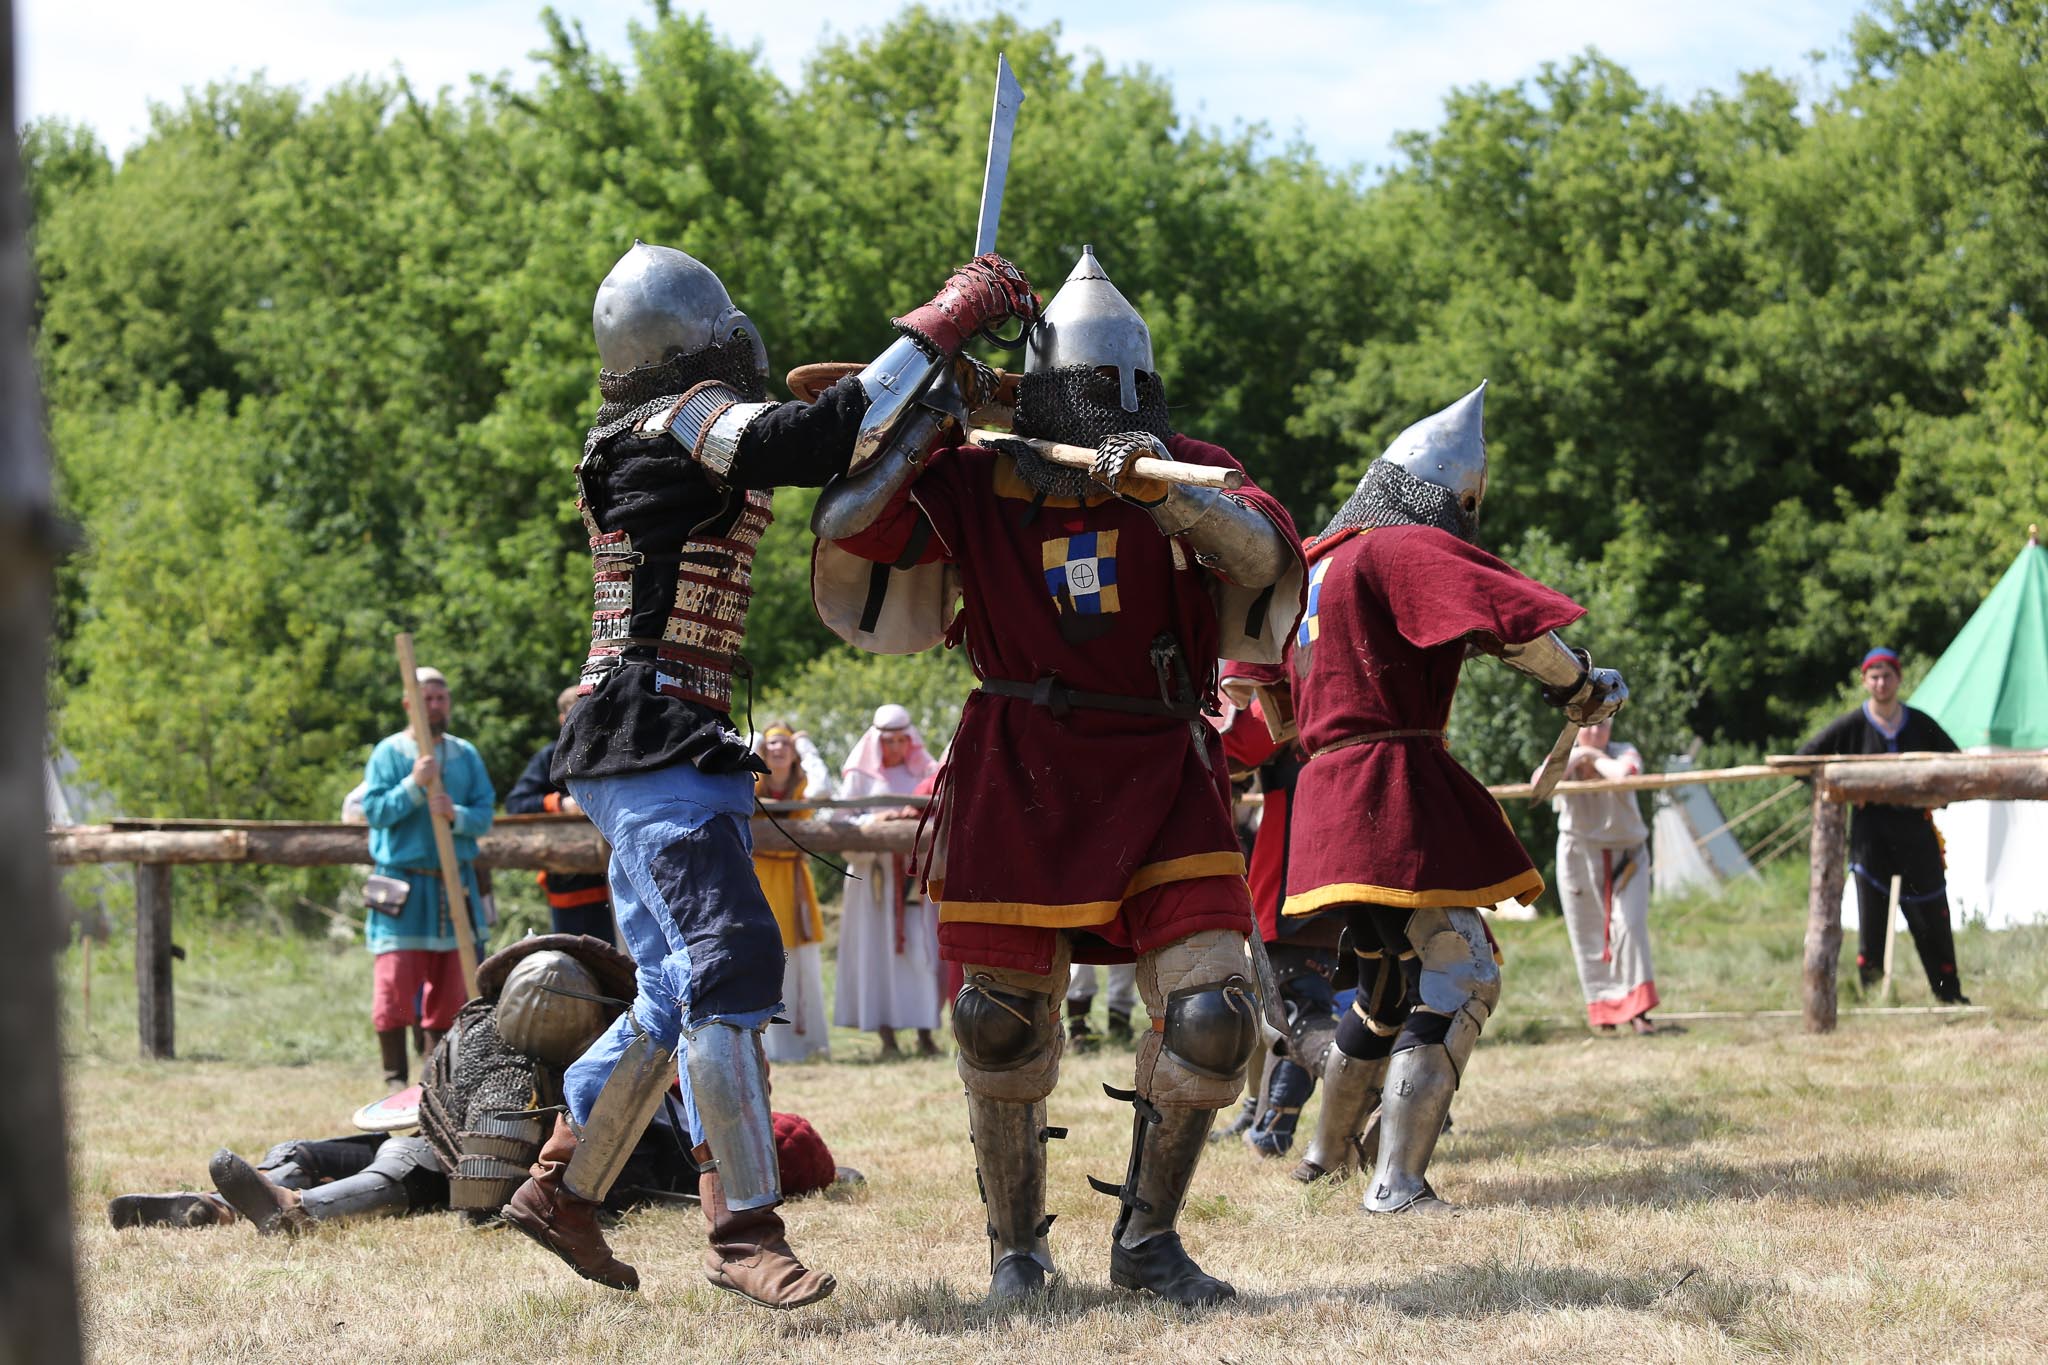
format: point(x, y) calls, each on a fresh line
point(1061, 700)
point(1375, 737)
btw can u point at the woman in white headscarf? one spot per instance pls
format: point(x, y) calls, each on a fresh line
point(888, 932)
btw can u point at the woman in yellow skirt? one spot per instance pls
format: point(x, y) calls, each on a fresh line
point(795, 770)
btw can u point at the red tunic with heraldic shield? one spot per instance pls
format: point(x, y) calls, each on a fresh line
point(1097, 821)
point(1397, 821)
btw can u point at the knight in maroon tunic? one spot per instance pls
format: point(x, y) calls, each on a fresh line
point(1387, 825)
point(1083, 812)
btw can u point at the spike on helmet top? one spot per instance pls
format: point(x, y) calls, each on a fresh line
point(1448, 449)
point(658, 303)
point(1090, 323)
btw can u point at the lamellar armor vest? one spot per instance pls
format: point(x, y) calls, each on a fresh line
point(686, 610)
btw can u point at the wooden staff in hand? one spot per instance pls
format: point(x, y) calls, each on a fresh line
point(440, 811)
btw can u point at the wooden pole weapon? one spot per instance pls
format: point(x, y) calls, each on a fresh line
point(444, 833)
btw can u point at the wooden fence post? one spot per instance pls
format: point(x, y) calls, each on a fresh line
point(1824, 911)
point(153, 999)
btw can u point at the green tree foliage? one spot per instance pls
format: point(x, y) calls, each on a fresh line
point(1768, 375)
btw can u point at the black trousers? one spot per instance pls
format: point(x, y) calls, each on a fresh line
point(1914, 857)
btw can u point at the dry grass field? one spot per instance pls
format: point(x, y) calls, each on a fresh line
point(1738, 1191)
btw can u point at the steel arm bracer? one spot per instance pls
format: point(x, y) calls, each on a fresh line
point(852, 502)
point(1228, 534)
point(1586, 695)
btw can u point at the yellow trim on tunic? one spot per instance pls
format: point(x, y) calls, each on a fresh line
point(1084, 913)
point(1525, 888)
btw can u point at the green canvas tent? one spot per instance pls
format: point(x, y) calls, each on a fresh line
point(1989, 689)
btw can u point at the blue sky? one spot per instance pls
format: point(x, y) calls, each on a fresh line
point(1347, 76)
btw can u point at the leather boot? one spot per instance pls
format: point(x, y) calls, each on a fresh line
point(269, 1206)
point(1145, 1251)
point(391, 1047)
point(1081, 1036)
point(176, 1210)
point(563, 1223)
point(750, 1254)
point(1120, 1027)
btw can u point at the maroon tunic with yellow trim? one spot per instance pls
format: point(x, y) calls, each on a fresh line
point(1048, 823)
point(1398, 822)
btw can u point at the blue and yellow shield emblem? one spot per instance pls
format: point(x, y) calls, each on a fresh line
point(1080, 573)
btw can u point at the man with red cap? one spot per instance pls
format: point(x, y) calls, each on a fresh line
point(1895, 841)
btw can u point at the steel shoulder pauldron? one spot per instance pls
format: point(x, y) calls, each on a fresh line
point(709, 422)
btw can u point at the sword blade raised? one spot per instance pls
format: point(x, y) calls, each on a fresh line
point(1002, 127)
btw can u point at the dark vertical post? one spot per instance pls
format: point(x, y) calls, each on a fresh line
point(38, 1283)
point(1824, 911)
point(154, 1020)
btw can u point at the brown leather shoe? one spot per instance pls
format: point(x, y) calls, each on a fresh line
point(254, 1195)
point(561, 1222)
point(750, 1254)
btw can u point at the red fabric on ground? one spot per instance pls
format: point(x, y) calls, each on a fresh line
point(1398, 822)
point(1149, 920)
point(801, 1156)
point(1078, 588)
point(416, 986)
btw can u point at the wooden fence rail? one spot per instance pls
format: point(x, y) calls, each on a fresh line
point(569, 843)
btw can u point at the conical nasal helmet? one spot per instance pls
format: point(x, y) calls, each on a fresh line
point(658, 304)
point(1448, 449)
point(1090, 323)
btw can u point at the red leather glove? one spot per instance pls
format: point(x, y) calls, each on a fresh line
point(985, 291)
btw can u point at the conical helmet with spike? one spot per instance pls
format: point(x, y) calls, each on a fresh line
point(1448, 449)
point(1090, 323)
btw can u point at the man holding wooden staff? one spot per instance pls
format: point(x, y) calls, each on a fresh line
point(418, 976)
point(675, 483)
point(1097, 604)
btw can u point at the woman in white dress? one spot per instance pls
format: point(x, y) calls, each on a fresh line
point(1603, 878)
point(888, 932)
point(795, 770)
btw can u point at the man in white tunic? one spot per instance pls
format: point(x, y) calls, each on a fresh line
point(1603, 877)
point(888, 932)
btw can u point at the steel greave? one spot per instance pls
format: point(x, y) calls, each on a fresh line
point(1350, 1085)
point(1009, 1161)
point(1165, 1168)
point(619, 1115)
point(729, 1079)
point(1420, 1084)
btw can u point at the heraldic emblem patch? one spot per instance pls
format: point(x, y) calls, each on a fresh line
point(1080, 573)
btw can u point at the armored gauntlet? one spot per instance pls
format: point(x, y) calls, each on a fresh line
point(985, 292)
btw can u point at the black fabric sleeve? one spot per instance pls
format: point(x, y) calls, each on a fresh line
point(1838, 736)
point(1928, 736)
point(529, 794)
point(802, 445)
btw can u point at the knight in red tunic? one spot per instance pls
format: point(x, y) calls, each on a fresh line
point(1387, 826)
point(1083, 812)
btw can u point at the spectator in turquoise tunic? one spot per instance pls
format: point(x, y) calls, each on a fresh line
point(418, 976)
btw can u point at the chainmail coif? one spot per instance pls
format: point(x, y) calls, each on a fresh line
point(635, 395)
point(1077, 405)
point(1389, 495)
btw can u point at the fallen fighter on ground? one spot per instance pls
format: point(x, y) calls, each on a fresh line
point(487, 1085)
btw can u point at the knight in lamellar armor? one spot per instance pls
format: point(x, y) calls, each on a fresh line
point(675, 488)
point(1398, 595)
point(1095, 605)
